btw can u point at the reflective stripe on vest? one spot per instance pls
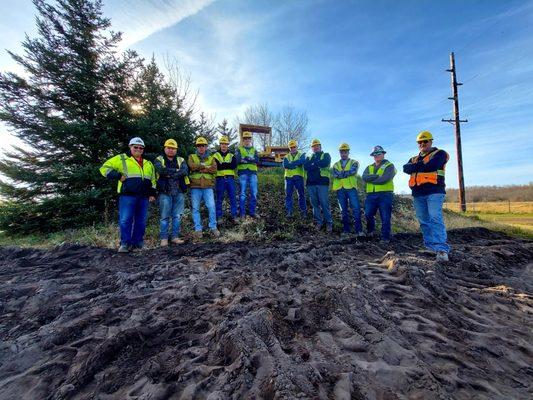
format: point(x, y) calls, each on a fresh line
point(247, 153)
point(224, 159)
point(298, 171)
point(124, 159)
point(344, 183)
point(379, 187)
point(198, 174)
point(421, 178)
point(179, 160)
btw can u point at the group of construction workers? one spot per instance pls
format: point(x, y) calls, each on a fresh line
point(210, 177)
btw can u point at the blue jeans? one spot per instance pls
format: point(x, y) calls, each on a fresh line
point(429, 213)
point(226, 184)
point(197, 195)
point(248, 180)
point(170, 207)
point(383, 202)
point(318, 194)
point(132, 215)
point(295, 182)
point(348, 198)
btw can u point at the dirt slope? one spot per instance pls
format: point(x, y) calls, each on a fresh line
point(313, 319)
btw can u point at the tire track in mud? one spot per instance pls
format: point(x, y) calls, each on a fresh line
point(318, 318)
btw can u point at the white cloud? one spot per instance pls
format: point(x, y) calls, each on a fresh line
point(138, 19)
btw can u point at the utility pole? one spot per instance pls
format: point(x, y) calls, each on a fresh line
point(456, 121)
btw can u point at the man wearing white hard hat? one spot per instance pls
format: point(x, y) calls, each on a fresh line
point(136, 186)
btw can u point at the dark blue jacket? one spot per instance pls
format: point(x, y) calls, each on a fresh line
point(312, 166)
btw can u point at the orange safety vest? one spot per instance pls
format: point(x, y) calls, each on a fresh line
point(421, 178)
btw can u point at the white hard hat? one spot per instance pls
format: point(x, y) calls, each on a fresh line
point(136, 140)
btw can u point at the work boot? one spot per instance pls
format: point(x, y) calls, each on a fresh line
point(215, 232)
point(318, 226)
point(123, 249)
point(329, 228)
point(137, 249)
point(164, 243)
point(177, 240)
point(442, 256)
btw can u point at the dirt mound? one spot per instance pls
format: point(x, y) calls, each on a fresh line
point(310, 319)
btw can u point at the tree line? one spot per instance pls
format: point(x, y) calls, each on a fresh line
point(78, 102)
point(493, 193)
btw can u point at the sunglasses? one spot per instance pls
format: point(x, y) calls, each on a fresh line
point(138, 147)
point(423, 141)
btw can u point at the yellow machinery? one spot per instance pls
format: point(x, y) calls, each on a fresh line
point(270, 156)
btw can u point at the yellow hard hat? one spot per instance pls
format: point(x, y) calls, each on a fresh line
point(247, 135)
point(315, 142)
point(171, 143)
point(292, 143)
point(344, 146)
point(201, 140)
point(424, 135)
point(223, 140)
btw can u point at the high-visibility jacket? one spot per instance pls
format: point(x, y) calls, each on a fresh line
point(433, 177)
point(379, 187)
point(139, 180)
point(247, 153)
point(204, 179)
point(298, 171)
point(226, 160)
point(183, 181)
point(349, 182)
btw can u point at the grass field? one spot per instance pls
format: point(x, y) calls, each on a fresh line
point(522, 221)
point(517, 215)
point(507, 207)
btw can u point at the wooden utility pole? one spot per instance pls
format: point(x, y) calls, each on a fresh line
point(456, 121)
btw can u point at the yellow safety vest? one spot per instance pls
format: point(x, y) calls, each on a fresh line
point(434, 177)
point(198, 174)
point(298, 171)
point(344, 183)
point(324, 172)
point(179, 160)
point(247, 153)
point(130, 168)
point(379, 187)
point(224, 159)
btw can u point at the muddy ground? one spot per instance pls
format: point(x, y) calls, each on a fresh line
point(312, 319)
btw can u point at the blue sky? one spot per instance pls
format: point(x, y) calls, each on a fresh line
point(366, 72)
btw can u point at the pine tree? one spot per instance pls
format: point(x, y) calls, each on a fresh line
point(160, 112)
point(224, 130)
point(204, 127)
point(72, 109)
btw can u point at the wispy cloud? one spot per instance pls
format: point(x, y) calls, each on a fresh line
point(139, 19)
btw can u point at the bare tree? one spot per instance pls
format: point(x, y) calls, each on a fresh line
point(180, 81)
point(291, 124)
point(258, 115)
